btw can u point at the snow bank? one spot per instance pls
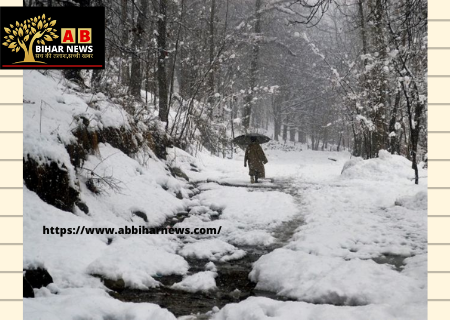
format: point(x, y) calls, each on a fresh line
point(53, 111)
point(418, 201)
point(124, 259)
point(65, 258)
point(319, 279)
point(142, 187)
point(263, 309)
point(92, 304)
point(48, 117)
point(385, 167)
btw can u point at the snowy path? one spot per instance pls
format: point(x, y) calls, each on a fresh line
point(313, 241)
point(361, 251)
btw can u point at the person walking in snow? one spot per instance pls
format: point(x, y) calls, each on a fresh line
point(256, 159)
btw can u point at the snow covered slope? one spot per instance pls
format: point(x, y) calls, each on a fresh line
point(52, 113)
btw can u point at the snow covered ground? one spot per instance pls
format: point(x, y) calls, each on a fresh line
point(333, 267)
point(370, 212)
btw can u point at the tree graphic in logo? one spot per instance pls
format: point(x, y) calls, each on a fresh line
point(38, 29)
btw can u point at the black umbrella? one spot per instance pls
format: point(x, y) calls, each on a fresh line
point(245, 139)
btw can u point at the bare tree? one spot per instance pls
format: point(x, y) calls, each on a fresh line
point(137, 46)
point(162, 53)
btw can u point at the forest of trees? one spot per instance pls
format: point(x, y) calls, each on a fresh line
point(333, 74)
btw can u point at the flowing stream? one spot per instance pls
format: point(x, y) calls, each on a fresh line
point(232, 281)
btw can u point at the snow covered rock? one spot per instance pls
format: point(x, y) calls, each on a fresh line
point(210, 266)
point(27, 289)
point(38, 278)
point(212, 249)
point(52, 181)
point(202, 281)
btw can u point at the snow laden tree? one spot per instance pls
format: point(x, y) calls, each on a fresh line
point(34, 29)
point(348, 74)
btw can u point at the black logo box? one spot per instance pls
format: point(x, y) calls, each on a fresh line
point(73, 17)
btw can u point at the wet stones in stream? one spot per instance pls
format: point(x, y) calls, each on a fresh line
point(232, 281)
point(395, 260)
point(232, 285)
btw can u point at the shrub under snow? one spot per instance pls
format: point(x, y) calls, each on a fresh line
point(386, 167)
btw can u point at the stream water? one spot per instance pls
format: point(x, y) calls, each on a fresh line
point(232, 281)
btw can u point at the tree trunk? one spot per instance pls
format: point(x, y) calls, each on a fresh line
point(162, 76)
point(394, 143)
point(211, 46)
point(301, 135)
point(95, 79)
point(285, 130)
point(174, 62)
point(276, 117)
point(139, 32)
point(292, 134)
point(253, 68)
point(124, 17)
point(69, 74)
point(363, 26)
point(339, 143)
point(277, 128)
point(378, 79)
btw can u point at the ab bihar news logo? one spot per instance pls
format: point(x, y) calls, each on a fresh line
point(61, 38)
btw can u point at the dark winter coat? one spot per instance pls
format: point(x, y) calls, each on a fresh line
point(256, 159)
